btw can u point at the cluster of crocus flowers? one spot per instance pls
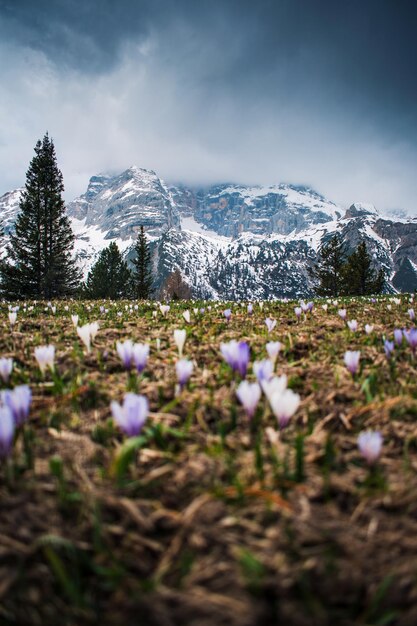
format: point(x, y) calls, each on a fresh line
point(236, 354)
point(132, 414)
point(45, 357)
point(133, 354)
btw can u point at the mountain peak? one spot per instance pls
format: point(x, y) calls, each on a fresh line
point(359, 209)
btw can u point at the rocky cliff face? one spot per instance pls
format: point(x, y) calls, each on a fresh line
point(230, 210)
point(230, 241)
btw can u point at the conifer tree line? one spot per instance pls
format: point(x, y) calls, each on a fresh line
point(338, 273)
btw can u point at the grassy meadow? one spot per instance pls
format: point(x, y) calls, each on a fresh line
point(208, 516)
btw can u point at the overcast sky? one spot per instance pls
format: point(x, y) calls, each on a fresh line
point(318, 92)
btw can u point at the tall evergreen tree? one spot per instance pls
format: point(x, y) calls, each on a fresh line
point(39, 260)
point(359, 274)
point(329, 270)
point(109, 277)
point(142, 274)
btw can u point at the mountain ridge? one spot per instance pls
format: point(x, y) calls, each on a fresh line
point(229, 240)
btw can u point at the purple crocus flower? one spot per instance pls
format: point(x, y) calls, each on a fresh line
point(18, 400)
point(398, 336)
point(351, 359)
point(298, 310)
point(370, 445)
point(342, 313)
point(411, 314)
point(125, 352)
point(250, 309)
point(310, 306)
point(249, 395)
point(132, 415)
point(236, 354)
point(7, 427)
point(263, 370)
point(389, 348)
point(140, 356)
point(184, 369)
point(228, 314)
point(411, 338)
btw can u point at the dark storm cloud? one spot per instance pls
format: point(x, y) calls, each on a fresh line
point(323, 89)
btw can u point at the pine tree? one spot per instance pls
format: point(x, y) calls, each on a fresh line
point(359, 275)
point(329, 270)
point(39, 261)
point(109, 277)
point(142, 275)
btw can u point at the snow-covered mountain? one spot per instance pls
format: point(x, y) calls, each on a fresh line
point(231, 241)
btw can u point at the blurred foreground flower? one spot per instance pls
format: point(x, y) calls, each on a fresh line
point(132, 415)
point(18, 400)
point(7, 428)
point(284, 404)
point(45, 356)
point(6, 368)
point(184, 369)
point(273, 348)
point(263, 370)
point(370, 445)
point(352, 358)
point(249, 395)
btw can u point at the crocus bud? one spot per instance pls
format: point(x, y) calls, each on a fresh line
point(6, 368)
point(249, 395)
point(184, 369)
point(352, 359)
point(45, 356)
point(370, 445)
point(179, 338)
point(7, 428)
point(273, 349)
